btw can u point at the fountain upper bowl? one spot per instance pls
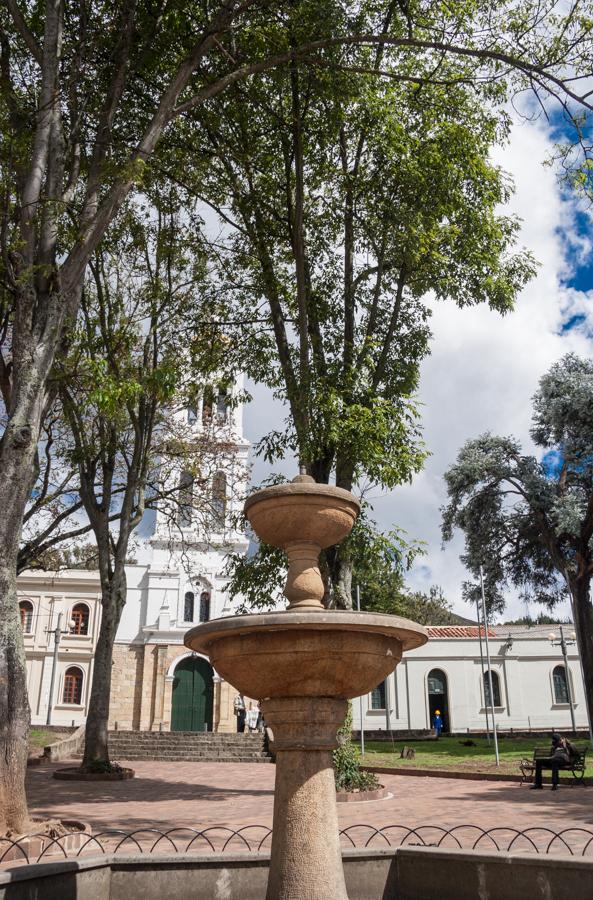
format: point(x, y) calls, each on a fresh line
point(329, 653)
point(302, 511)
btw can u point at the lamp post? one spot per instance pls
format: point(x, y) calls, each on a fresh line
point(57, 633)
point(491, 689)
point(482, 665)
point(360, 698)
point(563, 643)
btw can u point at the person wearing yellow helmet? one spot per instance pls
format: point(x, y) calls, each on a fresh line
point(437, 722)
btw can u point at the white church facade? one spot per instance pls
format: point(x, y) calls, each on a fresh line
point(157, 684)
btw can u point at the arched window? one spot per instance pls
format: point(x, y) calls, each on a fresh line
point(378, 697)
point(560, 685)
point(186, 493)
point(207, 404)
point(495, 688)
point(436, 682)
point(218, 501)
point(26, 609)
point(80, 617)
point(188, 606)
point(192, 414)
point(204, 606)
point(221, 403)
point(72, 692)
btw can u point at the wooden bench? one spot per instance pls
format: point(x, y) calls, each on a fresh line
point(576, 765)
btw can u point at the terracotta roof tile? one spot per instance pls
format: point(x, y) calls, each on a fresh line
point(458, 631)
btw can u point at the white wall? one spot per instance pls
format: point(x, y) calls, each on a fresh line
point(526, 687)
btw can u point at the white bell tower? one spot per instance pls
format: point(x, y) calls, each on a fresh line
point(206, 476)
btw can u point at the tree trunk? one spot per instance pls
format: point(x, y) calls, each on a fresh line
point(14, 703)
point(96, 736)
point(337, 564)
point(341, 566)
point(342, 581)
point(17, 457)
point(583, 622)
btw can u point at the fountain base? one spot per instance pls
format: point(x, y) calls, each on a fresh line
point(306, 859)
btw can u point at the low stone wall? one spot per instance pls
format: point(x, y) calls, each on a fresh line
point(408, 873)
point(465, 775)
point(65, 749)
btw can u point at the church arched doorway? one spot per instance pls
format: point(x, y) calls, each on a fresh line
point(193, 693)
point(438, 697)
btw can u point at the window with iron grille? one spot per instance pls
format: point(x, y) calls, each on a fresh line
point(378, 697)
point(72, 686)
point(560, 685)
point(186, 494)
point(204, 606)
point(495, 688)
point(188, 606)
point(26, 610)
point(219, 487)
point(80, 617)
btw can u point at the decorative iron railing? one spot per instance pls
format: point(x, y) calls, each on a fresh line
point(571, 841)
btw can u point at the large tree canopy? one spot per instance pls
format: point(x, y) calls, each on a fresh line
point(343, 203)
point(88, 89)
point(529, 520)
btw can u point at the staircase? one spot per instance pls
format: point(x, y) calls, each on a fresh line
point(191, 746)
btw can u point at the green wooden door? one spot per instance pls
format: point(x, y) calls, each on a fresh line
point(193, 691)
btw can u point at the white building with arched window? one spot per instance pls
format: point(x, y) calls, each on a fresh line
point(529, 683)
point(178, 582)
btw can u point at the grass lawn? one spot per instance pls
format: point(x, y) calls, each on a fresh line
point(450, 753)
point(40, 737)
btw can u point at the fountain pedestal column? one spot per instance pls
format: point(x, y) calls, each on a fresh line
point(306, 860)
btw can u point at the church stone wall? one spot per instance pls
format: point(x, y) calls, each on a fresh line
point(141, 690)
point(126, 686)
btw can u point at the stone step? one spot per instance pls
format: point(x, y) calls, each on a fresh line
point(145, 754)
point(252, 745)
point(189, 749)
point(197, 759)
point(190, 746)
point(183, 736)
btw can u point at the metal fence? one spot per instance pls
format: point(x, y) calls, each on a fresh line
point(574, 841)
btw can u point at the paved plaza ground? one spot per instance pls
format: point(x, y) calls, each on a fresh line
point(167, 794)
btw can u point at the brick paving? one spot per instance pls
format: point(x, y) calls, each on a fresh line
point(198, 795)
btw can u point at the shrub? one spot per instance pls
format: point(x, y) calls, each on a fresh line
point(347, 772)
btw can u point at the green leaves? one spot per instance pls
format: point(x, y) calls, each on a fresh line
point(528, 521)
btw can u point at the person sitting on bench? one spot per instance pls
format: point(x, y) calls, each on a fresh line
point(561, 753)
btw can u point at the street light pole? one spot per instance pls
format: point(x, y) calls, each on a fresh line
point(563, 643)
point(360, 699)
point(482, 666)
point(57, 633)
point(485, 618)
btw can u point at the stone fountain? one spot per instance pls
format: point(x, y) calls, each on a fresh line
point(305, 663)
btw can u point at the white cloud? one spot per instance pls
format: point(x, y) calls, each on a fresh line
point(484, 368)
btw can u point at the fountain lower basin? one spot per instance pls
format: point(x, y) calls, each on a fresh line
point(305, 664)
point(306, 653)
